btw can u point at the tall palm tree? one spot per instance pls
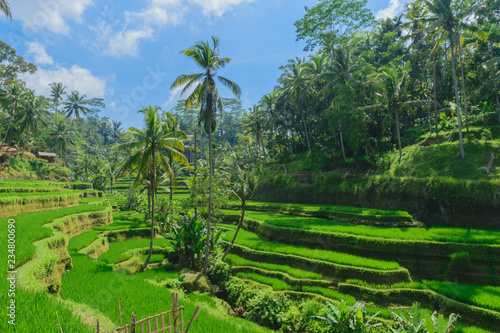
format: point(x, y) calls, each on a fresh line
point(394, 95)
point(75, 105)
point(57, 90)
point(13, 96)
point(206, 96)
point(61, 137)
point(296, 87)
point(147, 158)
point(254, 124)
point(447, 17)
point(242, 190)
point(5, 8)
point(339, 74)
point(85, 163)
point(33, 114)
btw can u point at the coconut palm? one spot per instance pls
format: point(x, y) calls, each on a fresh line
point(394, 94)
point(254, 123)
point(147, 147)
point(296, 87)
point(12, 96)
point(32, 116)
point(61, 137)
point(338, 75)
point(57, 90)
point(447, 18)
point(206, 96)
point(5, 8)
point(242, 190)
point(74, 106)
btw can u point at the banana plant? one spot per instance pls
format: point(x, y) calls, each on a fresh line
point(345, 319)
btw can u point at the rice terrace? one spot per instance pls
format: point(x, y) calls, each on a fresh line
point(327, 166)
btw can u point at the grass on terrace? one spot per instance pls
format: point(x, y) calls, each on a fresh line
point(482, 296)
point(441, 234)
point(94, 283)
point(235, 260)
point(253, 241)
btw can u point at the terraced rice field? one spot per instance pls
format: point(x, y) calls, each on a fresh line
point(306, 270)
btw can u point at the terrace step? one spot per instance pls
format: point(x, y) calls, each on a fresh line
point(425, 259)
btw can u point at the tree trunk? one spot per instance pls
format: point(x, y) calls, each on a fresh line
point(457, 100)
point(209, 220)
point(495, 83)
point(8, 128)
point(396, 114)
point(463, 83)
point(25, 143)
point(341, 141)
point(242, 218)
point(195, 175)
point(435, 95)
point(307, 135)
point(152, 186)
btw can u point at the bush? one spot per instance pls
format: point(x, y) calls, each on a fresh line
point(460, 262)
point(267, 309)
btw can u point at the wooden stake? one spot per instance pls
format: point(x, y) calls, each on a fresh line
point(120, 311)
point(59, 323)
point(132, 324)
point(196, 313)
point(97, 325)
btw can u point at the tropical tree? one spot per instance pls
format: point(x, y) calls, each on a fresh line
point(242, 190)
point(206, 95)
point(34, 109)
point(339, 75)
point(12, 97)
point(57, 90)
point(61, 137)
point(147, 158)
point(254, 124)
point(394, 94)
point(75, 105)
point(5, 8)
point(296, 87)
point(448, 17)
point(85, 164)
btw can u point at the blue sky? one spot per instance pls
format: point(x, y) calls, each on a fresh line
point(127, 52)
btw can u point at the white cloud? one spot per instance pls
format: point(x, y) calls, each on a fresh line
point(217, 7)
point(141, 25)
point(39, 15)
point(126, 42)
point(175, 96)
point(394, 8)
point(38, 51)
point(75, 78)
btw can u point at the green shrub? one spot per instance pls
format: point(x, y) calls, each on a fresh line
point(267, 309)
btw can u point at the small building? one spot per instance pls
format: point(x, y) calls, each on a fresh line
point(49, 157)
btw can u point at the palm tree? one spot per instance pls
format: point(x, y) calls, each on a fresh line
point(394, 84)
point(85, 163)
point(14, 95)
point(242, 190)
point(447, 17)
point(296, 86)
point(147, 147)
point(338, 75)
point(61, 137)
point(32, 116)
point(5, 8)
point(254, 124)
point(57, 90)
point(206, 96)
point(75, 105)
point(172, 127)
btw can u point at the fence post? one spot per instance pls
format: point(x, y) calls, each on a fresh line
point(132, 324)
point(120, 311)
point(97, 325)
point(174, 303)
